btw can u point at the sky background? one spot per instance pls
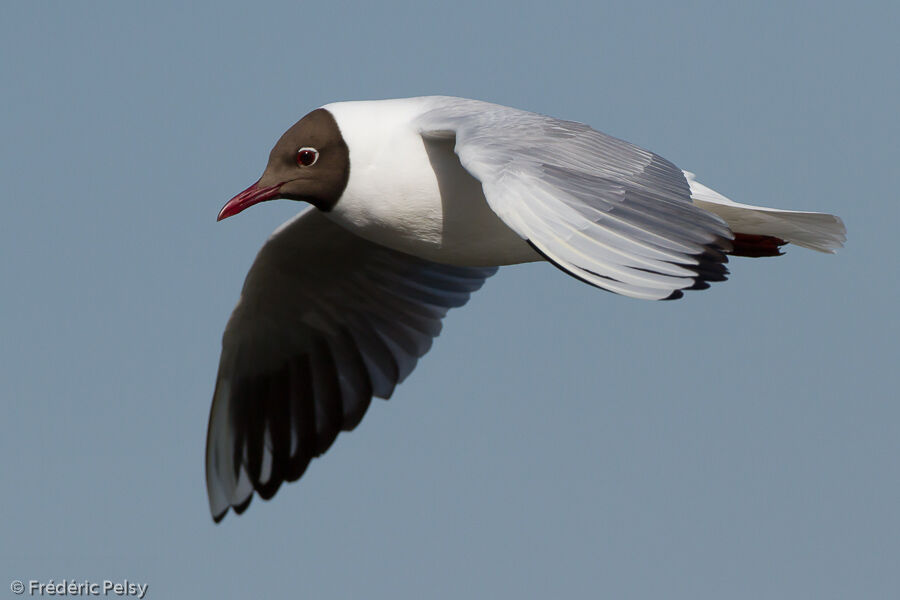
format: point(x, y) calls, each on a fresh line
point(558, 441)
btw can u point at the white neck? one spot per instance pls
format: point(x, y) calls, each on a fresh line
point(414, 196)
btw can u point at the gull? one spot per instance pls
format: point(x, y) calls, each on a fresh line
point(414, 203)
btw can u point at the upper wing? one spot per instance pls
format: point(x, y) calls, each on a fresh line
point(610, 213)
point(325, 321)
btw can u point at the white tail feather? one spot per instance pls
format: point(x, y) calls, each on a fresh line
point(817, 231)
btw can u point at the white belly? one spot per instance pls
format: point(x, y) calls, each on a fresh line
point(414, 196)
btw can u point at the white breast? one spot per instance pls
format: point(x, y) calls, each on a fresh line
point(414, 196)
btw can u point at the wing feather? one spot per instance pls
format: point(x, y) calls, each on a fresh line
point(601, 209)
point(325, 321)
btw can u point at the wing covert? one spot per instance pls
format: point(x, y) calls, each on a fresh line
point(603, 210)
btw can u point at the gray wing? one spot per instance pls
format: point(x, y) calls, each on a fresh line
point(601, 209)
point(325, 321)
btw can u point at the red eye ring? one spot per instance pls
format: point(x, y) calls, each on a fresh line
point(307, 157)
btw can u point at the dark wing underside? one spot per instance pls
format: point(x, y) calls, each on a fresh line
point(326, 320)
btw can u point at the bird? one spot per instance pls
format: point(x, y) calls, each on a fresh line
point(412, 204)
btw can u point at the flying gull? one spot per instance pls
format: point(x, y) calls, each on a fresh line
point(414, 203)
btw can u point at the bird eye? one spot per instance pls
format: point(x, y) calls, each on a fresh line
point(307, 157)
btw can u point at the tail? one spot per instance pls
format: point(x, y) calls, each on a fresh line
point(759, 231)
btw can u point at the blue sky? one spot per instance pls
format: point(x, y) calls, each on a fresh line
point(557, 441)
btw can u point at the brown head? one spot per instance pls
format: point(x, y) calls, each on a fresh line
point(310, 163)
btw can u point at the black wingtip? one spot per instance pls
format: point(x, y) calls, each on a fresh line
point(710, 268)
point(267, 490)
point(240, 508)
point(296, 468)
